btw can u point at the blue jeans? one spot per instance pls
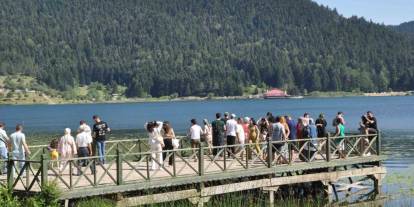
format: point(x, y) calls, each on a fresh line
point(3, 156)
point(19, 156)
point(101, 151)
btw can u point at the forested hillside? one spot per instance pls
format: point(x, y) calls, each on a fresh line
point(196, 47)
point(406, 27)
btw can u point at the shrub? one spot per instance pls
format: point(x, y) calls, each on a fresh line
point(7, 199)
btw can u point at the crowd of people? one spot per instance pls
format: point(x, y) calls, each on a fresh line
point(227, 130)
point(236, 131)
point(88, 142)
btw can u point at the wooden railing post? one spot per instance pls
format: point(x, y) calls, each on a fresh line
point(269, 152)
point(44, 159)
point(328, 148)
point(225, 158)
point(378, 142)
point(10, 172)
point(174, 165)
point(290, 153)
point(361, 145)
point(248, 154)
point(200, 160)
point(118, 167)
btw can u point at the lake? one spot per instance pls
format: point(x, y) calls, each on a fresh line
point(394, 117)
point(393, 113)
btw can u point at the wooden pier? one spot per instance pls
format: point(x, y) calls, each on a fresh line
point(197, 175)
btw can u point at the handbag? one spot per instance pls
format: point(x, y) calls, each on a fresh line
point(175, 143)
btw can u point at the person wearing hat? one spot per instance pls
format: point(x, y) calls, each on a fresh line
point(231, 133)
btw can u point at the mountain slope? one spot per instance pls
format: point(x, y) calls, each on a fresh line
point(197, 47)
point(406, 27)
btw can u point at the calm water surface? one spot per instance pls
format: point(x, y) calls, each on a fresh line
point(394, 113)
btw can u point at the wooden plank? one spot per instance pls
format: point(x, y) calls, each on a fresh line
point(279, 181)
point(235, 187)
point(327, 176)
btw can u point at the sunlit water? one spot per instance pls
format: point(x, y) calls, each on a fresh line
point(394, 114)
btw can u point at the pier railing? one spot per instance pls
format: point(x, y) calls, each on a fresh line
point(130, 161)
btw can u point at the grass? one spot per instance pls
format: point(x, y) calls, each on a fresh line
point(95, 201)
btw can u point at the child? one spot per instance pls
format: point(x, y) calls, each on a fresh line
point(54, 155)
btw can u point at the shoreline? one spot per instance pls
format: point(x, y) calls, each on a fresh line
point(335, 94)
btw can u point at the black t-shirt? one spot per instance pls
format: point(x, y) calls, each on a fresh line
point(321, 129)
point(373, 125)
point(99, 130)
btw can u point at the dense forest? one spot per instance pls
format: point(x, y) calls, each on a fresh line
point(406, 27)
point(199, 47)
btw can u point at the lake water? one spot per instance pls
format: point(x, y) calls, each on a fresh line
point(394, 115)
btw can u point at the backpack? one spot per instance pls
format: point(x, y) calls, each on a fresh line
point(306, 132)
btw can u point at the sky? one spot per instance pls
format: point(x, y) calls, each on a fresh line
point(388, 12)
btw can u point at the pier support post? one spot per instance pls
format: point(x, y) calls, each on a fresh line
point(377, 178)
point(271, 190)
point(328, 190)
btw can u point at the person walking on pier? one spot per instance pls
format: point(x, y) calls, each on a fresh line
point(4, 143)
point(208, 134)
point(168, 135)
point(241, 136)
point(231, 133)
point(278, 134)
point(340, 132)
point(195, 134)
point(254, 135)
point(19, 146)
point(84, 144)
point(66, 148)
point(100, 128)
point(218, 127)
point(156, 143)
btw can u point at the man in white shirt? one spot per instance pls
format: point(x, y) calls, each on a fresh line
point(4, 143)
point(241, 137)
point(231, 133)
point(84, 144)
point(19, 147)
point(195, 133)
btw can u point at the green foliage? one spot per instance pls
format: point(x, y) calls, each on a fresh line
point(95, 202)
point(406, 27)
point(49, 196)
point(7, 199)
point(158, 48)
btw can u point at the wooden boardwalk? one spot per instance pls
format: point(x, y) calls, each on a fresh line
point(128, 168)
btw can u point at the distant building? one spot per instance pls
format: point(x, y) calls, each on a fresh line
point(275, 93)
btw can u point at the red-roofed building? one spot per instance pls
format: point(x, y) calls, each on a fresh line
point(275, 93)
